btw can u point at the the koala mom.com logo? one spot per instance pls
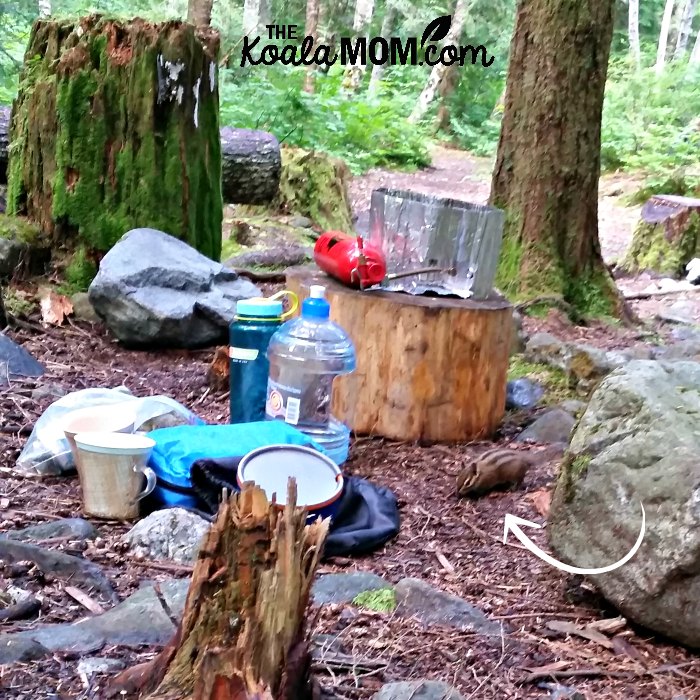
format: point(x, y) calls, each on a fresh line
point(361, 50)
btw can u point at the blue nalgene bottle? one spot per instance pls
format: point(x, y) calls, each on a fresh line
point(249, 336)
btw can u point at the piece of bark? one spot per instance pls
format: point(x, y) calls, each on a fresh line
point(4, 141)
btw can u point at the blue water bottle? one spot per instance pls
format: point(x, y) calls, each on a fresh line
point(249, 336)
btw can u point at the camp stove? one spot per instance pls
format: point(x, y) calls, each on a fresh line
point(347, 259)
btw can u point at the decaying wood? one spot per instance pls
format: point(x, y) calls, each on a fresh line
point(219, 370)
point(242, 635)
point(429, 368)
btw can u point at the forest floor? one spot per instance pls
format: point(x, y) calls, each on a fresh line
point(453, 544)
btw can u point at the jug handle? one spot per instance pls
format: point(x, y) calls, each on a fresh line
point(294, 303)
point(151, 480)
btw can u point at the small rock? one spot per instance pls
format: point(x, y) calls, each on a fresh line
point(562, 692)
point(683, 350)
point(73, 528)
point(14, 649)
point(78, 638)
point(431, 606)
point(522, 393)
point(96, 664)
point(417, 690)
point(685, 333)
point(344, 588)
point(518, 337)
point(552, 427)
point(546, 349)
point(301, 222)
point(680, 312)
point(573, 407)
point(83, 309)
point(19, 363)
point(173, 534)
point(48, 391)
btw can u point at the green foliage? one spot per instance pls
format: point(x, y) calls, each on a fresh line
point(18, 304)
point(363, 131)
point(79, 273)
point(382, 600)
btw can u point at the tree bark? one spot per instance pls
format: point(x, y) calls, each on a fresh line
point(354, 73)
point(199, 12)
point(242, 635)
point(251, 163)
point(448, 85)
point(313, 9)
point(116, 126)
point(251, 17)
point(695, 55)
point(633, 31)
point(4, 141)
point(684, 28)
point(437, 74)
point(663, 36)
point(548, 160)
point(378, 69)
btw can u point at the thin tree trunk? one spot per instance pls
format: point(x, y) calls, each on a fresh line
point(633, 31)
point(355, 72)
point(378, 69)
point(438, 72)
point(199, 12)
point(313, 9)
point(663, 36)
point(447, 87)
point(251, 17)
point(684, 29)
point(695, 55)
point(44, 8)
point(548, 161)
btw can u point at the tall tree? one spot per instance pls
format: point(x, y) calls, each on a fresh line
point(313, 10)
point(199, 12)
point(633, 31)
point(437, 74)
point(548, 161)
point(387, 28)
point(663, 36)
point(364, 9)
point(684, 28)
point(251, 17)
point(695, 55)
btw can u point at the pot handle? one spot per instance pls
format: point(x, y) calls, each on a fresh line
point(150, 481)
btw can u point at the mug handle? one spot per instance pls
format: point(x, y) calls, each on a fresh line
point(150, 481)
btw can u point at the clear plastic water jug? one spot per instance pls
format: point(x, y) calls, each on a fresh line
point(306, 354)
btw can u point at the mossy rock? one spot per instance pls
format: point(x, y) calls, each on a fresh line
point(315, 185)
point(24, 249)
point(667, 245)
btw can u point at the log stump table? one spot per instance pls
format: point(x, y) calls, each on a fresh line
point(430, 369)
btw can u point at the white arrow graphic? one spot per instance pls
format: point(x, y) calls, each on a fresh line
point(513, 523)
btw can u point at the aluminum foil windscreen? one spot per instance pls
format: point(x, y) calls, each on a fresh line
point(417, 230)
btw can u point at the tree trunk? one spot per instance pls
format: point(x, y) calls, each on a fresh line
point(663, 36)
point(251, 165)
point(437, 74)
point(242, 635)
point(116, 126)
point(251, 17)
point(199, 12)
point(548, 161)
point(633, 31)
point(313, 8)
point(684, 29)
point(354, 73)
point(4, 141)
point(44, 8)
point(448, 85)
point(378, 69)
point(695, 55)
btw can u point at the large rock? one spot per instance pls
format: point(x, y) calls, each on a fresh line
point(155, 290)
point(16, 362)
point(638, 442)
point(173, 534)
point(417, 690)
point(344, 588)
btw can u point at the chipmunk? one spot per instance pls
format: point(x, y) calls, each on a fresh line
point(493, 469)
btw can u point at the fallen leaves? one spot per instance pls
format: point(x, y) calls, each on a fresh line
point(541, 500)
point(54, 308)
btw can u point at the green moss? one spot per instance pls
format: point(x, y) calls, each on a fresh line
point(573, 469)
point(554, 380)
point(17, 304)
point(79, 272)
point(593, 294)
point(314, 185)
point(382, 600)
point(17, 228)
point(117, 150)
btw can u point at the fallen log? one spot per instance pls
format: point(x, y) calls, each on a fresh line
point(242, 634)
point(251, 162)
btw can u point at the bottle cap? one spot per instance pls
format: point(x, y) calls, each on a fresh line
point(316, 305)
point(259, 307)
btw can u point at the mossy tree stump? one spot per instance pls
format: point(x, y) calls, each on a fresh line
point(667, 236)
point(116, 126)
point(428, 368)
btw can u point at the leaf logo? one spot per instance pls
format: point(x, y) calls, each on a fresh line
point(436, 30)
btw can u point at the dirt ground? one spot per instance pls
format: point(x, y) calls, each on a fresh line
point(453, 544)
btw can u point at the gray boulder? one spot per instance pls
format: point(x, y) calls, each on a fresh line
point(417, 690)
point(638, 443)
point(552, 427)
point(16, 362)
point(155, 290)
